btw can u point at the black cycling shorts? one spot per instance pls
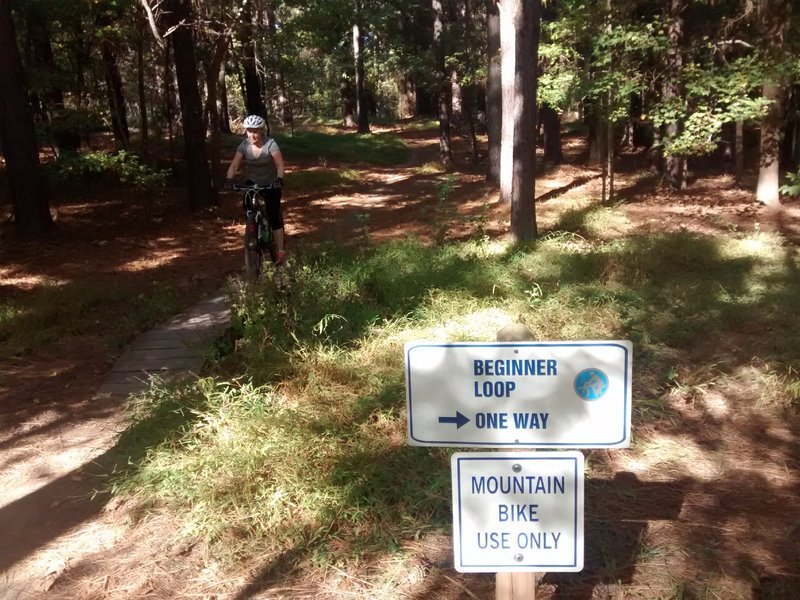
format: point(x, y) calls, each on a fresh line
point(272, 200)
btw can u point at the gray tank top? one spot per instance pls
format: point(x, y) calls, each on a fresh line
point(261, 170)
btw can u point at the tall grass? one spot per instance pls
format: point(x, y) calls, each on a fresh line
point(371, 149)
point(301, 448)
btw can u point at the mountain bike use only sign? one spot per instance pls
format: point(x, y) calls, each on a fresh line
point(520, 394)
point(517, 511)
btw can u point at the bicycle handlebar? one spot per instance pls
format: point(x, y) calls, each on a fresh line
point(252, 187)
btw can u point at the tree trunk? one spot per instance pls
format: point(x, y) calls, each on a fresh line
point(519, 38)
point(444, 84)
point(456, 97)
point(253, 90)
point(494, 92)
point(26, 186)
point(50, 105)
point(790, 149)
point(348, 99)
point(213, 70)
point(552, 136)
point(81, 58)
point(201, 191)
point(774, 18)
point(769, 158)
point(116, 94)
point(469, 118)
point(738, 151)
point(143, 124)
point(358, 60)
point(407, 93)
point(602, 139)
point(675, 166)
point(169, 103)
point(222, 102)
point(283, 108)
point(594, 131)
point(609, 147)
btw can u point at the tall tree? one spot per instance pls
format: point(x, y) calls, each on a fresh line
point(46, 79)
point(107, 18)
point(26, 186)
point(358, 59)
point(444, 85)
point(470, 65)
point(773, 15)
point(282, 107)
point(179, 19)
point(519, 38)
point(551, 128)
point(494, 91)
point(216, 37)
point(254, 97)
point(674, 163)
point(557, 79)
point(144, 126)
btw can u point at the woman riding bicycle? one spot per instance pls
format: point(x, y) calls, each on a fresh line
point(264, 166)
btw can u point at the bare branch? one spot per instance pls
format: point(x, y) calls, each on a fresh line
point(152, 20)
point(734, 43)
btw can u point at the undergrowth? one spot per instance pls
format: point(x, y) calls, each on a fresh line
point(54, 312)
point(300, 450)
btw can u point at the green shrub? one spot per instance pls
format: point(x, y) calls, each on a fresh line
point(121, 167)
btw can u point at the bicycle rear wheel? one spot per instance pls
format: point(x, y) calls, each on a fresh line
point(253, 255)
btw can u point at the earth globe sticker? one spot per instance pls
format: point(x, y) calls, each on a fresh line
point(591, 384)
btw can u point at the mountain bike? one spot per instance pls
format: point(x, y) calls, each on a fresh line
point(258, 237)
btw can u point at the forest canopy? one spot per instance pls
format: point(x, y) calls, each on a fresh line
point(681, 78)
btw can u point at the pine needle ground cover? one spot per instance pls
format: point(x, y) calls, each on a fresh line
point(290, 456)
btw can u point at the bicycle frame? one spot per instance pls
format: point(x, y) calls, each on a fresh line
point(258, 236)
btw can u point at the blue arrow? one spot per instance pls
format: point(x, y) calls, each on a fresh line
point(459, 420)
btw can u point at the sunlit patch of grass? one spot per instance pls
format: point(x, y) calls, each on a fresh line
point(261, 467)
point(771, 383)
point(322, 178)
point(593, 221)
point(676, 455)
point(431, 168)
point(695, 383)
point(377, 149)
point(422, 125)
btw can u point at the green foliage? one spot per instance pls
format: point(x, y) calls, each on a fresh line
point(559, 79)
point(120, 167)
point(792, 185)
point(618, 55)
point(713, 96)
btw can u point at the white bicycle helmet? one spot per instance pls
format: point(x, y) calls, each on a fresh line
point(254, 122)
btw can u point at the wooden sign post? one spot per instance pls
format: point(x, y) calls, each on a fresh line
point(515, 586)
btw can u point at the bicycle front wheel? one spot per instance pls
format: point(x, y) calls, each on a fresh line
point(253, 255)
